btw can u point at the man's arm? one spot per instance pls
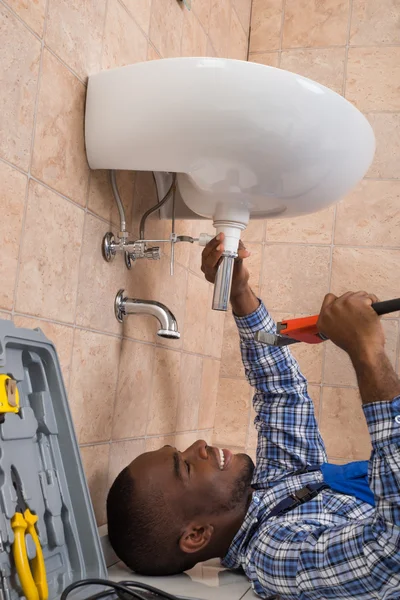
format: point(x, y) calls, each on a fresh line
point(288, 435)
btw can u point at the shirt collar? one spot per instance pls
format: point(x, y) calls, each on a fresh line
point(232, 559)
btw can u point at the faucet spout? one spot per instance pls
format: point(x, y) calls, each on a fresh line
point(132, 306)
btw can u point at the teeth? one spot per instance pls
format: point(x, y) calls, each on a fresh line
point(222, 459)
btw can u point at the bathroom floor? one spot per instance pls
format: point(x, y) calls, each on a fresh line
point(207, 581)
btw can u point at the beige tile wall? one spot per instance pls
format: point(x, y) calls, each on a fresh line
point(353, 47)
point(128, 390)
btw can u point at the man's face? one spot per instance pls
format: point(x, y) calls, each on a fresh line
point(202, 480)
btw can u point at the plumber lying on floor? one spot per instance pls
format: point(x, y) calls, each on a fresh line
point(168, 510)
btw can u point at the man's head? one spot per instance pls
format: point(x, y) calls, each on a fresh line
point(168, 510)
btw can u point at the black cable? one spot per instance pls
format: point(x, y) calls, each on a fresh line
point(122, 589)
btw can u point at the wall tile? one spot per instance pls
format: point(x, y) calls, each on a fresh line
point(19, 71)
point(33, 13)
point(314, 392)
point(271, 59)
point(101, 200)
point(386, 127)
point(310, 23)
point(59, 157)
point(231, 360)
point(314, 228)
point(93, 386)
point(214, 328)
point(310, 358)
point(124, 43)
point(243, 10)
point(194, 38)
point(370, 215)
point(121, 455)
point(60, 335)
point(99, 281)
point(166, 26)
point(254, 232)
point(338, 368)
point(4, 316)
point(220, 17)
point(189, 392)
point(141, 11)
point(196, 314)
point(295, 278)
point(266, 22)
point(238, 39)
point(165, 396)
point(372, 270)
point(185, 440)
point(12, 202)
point(95, 462)
point(152, 53)
point(209, 390)
point(48, 278)
point(74, 32)
point(202, 9)
point(155, 443)
point(373, 78)
point(342, 411)
point(374, 22)
point(232, 412)
point(324, 65)
point(133, 391)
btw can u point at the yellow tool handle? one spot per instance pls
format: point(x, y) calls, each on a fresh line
point(21, 560)
point(38, 566)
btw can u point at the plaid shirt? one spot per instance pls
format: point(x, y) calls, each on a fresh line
point(334, 546)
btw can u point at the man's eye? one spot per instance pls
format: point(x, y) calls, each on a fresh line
point(187, 466)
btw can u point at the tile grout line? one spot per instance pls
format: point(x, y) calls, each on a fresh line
point(281, 33)
point(346, 54)
point(142, 437)
point(26, 200)
point(328, 47)
point(103, 34)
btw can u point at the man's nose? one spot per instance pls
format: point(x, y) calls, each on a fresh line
point(197, 450)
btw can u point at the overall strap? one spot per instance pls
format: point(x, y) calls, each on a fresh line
point(308, 492)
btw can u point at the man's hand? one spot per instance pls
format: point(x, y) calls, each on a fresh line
point(351, 324)
point(244, 302)
point(211, 257)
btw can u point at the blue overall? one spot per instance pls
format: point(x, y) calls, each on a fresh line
point(351, 479)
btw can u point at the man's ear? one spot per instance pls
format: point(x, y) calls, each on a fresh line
point(195, 538)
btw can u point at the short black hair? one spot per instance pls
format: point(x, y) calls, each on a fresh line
point(142, 529)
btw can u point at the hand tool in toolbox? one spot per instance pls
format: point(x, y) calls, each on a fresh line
point(31, 574)
point(293, 331)
point(9, 396)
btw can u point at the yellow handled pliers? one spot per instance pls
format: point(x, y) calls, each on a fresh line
point(31, 574)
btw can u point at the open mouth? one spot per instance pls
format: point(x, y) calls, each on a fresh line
point(225, 457)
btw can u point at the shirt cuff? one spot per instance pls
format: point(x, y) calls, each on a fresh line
point(383, 420)
point(259, 320)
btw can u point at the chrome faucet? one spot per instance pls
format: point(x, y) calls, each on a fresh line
point(132, 306)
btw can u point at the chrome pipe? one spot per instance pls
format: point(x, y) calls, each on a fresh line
point(132, 306)
point(223, 282)
point(121, 210)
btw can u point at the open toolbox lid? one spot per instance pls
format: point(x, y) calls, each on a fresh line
point(39, 445)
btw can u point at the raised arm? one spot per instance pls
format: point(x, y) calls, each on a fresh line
point(288, 435)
